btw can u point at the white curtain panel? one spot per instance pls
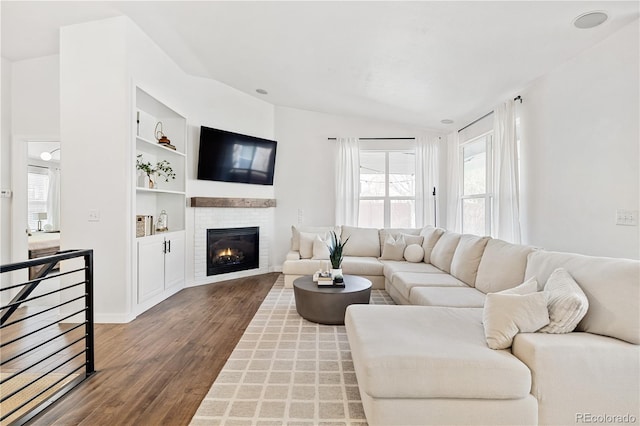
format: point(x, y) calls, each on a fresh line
point(454, 208)
point(347, 181)
point(426, 180)
point(53, 199)
point(506, 213)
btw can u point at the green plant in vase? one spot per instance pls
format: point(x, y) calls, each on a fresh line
point(335, 254)
point(162, 169)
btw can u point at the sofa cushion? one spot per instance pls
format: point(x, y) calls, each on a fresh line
point(391, 267)
point(612, 287)
point(362, 241)
point(295, 233)
point(580, 373)
point(393, 248)
point(527, 287)
point(303, 266)
point(444, 249)
point(466, 258)
point(414, 253)
point(361, 265)
point(454, 297)
point(502, 266)
point(430, 352)
point(506, 315)
point(431, 236)
point(567, 303)
point(403, 282)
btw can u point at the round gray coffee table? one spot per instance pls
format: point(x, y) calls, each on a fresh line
point(327, 305)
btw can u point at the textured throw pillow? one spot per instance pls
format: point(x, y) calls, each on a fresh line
point(567, 302)
point(413, 239)
point(527, 287)
point(321, 248)
point(414, 253)
point(393, 248)
point(506, 315)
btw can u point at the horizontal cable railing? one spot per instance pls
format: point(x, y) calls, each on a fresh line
point(46, 332)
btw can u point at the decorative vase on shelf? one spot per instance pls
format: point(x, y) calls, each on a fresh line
point(151, 184)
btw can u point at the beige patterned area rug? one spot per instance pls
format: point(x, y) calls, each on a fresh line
point(286, 370)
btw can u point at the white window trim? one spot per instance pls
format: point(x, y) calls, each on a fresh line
point(386, 199)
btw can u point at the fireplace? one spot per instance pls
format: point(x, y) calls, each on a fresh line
point(232, 250)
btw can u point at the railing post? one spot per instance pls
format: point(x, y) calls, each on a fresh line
point(88, 274)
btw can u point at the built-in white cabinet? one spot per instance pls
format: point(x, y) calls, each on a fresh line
point(159, 257)
point(160, 264)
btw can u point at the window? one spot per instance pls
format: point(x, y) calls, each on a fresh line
point(387, 189)
point(38, 190)
point(476, 185)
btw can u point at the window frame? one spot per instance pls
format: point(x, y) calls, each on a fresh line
point(387, 199)
point(488, 195)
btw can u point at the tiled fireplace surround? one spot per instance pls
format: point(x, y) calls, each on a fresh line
point(230, 216)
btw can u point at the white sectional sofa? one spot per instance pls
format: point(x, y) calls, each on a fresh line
point(428, 361)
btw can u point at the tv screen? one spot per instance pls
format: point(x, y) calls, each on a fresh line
point(232, 157)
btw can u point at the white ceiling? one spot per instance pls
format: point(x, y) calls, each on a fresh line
point(410, 62)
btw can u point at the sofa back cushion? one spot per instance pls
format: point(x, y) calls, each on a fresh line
point(612, 287)
point(431, 236)
point(502, 266)
point(466, 258)
point(443, 251)
point(320, 230)
point(362, 241)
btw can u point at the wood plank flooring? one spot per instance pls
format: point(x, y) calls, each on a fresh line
point(157, 369)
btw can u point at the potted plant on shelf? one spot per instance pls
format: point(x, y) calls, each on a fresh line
point(335, 254)
point(161, 169)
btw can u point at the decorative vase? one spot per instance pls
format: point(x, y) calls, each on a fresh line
point(151, 184)
point(336, 272)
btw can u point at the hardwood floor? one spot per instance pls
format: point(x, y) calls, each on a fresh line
point(157, 369)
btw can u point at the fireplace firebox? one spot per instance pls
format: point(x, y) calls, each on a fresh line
point(232, 250)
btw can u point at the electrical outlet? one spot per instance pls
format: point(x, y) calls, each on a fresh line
point(300, 216)
point(627, 217)
point(94, 216)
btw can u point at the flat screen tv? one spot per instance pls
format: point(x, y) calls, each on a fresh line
point(232, 157)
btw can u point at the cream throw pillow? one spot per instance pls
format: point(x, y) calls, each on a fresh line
point(527, 287)
point(393, 248)
point(567, 302)
point(321, 248)
point(414, 253)
point(506, 315)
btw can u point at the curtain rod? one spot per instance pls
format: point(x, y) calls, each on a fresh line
point(517, 98)
point(378, 139)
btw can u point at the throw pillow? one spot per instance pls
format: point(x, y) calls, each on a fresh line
point(506, 315)
point(527, 287)
point(431, 236)
point(567, 302)
point(306, 244)
point(414, 253)
point(393, 248)
point(321, 248)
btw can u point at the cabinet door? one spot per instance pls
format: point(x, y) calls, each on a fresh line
point(174, 260)
point(150, 268)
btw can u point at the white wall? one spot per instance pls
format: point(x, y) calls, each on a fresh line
point(304, 179)
point(580, 156)
point(96, 130)
point(5, 162)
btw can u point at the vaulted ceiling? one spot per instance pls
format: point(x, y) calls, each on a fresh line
point(410, 62)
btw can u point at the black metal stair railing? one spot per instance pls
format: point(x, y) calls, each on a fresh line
point(46, 348)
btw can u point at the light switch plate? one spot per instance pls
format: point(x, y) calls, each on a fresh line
point(5, 193)
point(94, 216)
point(627, 217)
